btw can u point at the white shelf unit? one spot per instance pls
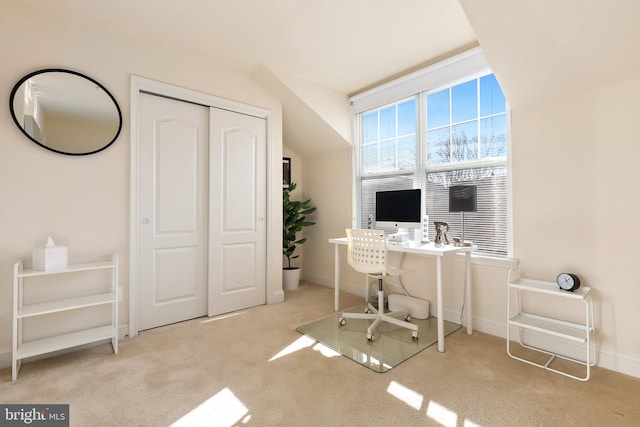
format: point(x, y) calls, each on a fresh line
point(580, 334)
point(23, 310)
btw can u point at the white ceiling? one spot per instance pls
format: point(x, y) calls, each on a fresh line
point(350, 45)
point(545, 48)
point(536, 48)
point(345, 45)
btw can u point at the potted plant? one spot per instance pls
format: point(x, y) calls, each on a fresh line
point(293, 221)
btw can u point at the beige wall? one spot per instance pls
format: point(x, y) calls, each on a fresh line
point(576, 200)
point(83, 202)
point(574, 184)
point(328, 181)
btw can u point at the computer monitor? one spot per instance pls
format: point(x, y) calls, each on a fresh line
point(398, 209)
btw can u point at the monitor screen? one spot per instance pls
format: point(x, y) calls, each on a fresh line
point(398, 209)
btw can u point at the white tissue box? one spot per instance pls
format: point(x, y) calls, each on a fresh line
point(50, 258)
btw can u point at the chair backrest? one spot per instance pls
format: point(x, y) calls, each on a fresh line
point(367, 250)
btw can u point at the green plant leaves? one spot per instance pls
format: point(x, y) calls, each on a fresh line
point(293, 221)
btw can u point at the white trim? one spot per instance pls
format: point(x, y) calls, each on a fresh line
point(509, 185)
point(140, 84)
point(443, 73)
point(135, 87)
point(178, 92)
point(355, 168)
point(488, 260)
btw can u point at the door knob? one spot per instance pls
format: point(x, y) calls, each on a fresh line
point(145, 221)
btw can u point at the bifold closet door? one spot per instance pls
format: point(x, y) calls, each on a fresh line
point(237, 207)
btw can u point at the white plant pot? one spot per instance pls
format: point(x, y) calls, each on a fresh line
point(290, 279)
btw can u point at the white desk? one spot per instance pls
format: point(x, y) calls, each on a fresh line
point(421, 250)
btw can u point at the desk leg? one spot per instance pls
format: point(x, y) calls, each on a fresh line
point(469, 299)
point(440, 312)
point(336, 278)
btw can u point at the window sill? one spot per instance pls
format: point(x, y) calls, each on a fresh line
point(489, 261)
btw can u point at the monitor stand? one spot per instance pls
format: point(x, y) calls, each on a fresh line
point(402, 235)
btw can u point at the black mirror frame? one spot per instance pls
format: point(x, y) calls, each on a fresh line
point(62, 70)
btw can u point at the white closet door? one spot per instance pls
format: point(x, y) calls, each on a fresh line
point(173, 211)
point(237, 206)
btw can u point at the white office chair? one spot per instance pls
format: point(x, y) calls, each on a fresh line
point(367, 253)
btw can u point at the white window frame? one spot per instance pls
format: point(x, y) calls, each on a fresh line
point(463, 67)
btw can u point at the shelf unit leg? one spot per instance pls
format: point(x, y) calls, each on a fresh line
point(116, 293)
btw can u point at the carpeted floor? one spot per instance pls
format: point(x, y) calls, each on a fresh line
point(252, 368)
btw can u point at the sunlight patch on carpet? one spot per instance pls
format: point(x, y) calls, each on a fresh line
point(442, 414)
point(299, 344)
point(392, 346)
point(223, 409)
point(408, 396)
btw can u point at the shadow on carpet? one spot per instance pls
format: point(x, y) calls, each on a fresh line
point(392, 345)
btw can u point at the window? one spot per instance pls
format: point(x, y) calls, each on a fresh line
point(389, 138)
point(466, 144)
point(454, 134)
point(389, 156)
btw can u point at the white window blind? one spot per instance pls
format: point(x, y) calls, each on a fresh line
point(487, 227)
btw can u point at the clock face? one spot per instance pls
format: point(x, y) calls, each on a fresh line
point(568, 281)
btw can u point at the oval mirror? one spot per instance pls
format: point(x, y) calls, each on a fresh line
point(65, 112)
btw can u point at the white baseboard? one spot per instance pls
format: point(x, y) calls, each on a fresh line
point(5, 357)
point(346, 287)
point(627, 364)
point(319, 280)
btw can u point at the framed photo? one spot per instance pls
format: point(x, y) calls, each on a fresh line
point(286, 172)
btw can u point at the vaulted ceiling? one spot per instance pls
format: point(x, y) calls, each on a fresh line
point(545, 47)
point(347, 46)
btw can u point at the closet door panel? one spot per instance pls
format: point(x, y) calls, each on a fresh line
point(237, 261)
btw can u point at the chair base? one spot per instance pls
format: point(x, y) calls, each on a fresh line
point(371, 313)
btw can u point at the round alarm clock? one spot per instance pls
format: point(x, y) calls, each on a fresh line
point(568, 281)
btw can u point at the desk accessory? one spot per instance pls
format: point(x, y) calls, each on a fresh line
point(441, 233)
point(568, 281)
point(463, 198)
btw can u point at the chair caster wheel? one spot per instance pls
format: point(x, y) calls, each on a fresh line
point(371, 337)
point(414, 336)
point(367, 310)
point(408, 318)
point(342, 321)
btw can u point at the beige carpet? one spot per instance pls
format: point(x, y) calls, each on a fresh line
point(252, 368)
